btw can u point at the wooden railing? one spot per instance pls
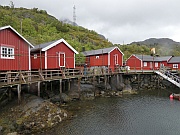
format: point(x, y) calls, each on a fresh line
point(11, 78)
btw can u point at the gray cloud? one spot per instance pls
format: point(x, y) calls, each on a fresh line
point(120, 21)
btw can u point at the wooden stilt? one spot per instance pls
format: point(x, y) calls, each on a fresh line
point(79, 88)
point(10, 94)
point(139, 81)
point(60, 89)
point(28, 87)
point(39, 88)
point(94, 84)
point(69, 85)
point(51, 85)
point(19, 93)
point(64, 86)
point(105, 82)
point(117, 79)
point(46, 85)
point(158, 81)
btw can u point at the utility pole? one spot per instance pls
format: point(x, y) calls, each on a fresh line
point(74, 15)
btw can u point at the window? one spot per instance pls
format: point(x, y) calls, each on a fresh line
point(175, 65)
point(156, 64)
point(97, 57)
point(7, 52)
point(145, 64)
point(35, 56)
point(116, 59)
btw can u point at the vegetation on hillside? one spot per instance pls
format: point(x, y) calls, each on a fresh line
point(37, 26)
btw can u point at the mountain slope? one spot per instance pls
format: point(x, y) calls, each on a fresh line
point(157, 41)
point(37, 26)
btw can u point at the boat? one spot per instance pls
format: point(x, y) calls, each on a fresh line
point(174, 96)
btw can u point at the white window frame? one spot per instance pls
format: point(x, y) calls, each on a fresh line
point(175, 65)
point(145, 64)
point(60, 59)
point(35, 56)
point(7, 52)
point(116, 59)
point(97, 57)
point(156, 64)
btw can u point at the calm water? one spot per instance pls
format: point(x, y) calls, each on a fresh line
point(148, 113)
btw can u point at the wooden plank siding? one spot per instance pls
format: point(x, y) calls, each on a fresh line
point(21, 57)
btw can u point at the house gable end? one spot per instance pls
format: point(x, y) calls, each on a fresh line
point(9, 27)
point(56, 43)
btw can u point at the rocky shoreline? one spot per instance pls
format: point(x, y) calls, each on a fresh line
point(36, 114)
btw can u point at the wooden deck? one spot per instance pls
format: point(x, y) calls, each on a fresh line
point(17, 79)
point(10, 78)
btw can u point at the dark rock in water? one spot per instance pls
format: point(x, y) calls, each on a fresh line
point(65, 98)
point(108, 86)
point(127, 87)
point(87, 95)
point(73, 94)
point(87, 87)
point(120, 86)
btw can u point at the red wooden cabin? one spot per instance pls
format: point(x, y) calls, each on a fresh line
point(14, 50)
point(108, 57)
point(53, 55)
point(174, 63)
point(147, 62)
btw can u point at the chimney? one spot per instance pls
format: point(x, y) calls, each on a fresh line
point(83, 49)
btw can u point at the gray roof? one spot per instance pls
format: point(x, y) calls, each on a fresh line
point(174, 60)
point(38, 47)
point(151, 58)
point(46, 46)
point(99, 51)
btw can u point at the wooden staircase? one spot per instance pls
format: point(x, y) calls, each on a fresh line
point(169, 76)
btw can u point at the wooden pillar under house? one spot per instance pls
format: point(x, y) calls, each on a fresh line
point(158, 81)
point(139, 81)
point(60, 89)
point(19, 92)
point(69, 85)
point(94, 84)
point(39, 88)
point(105, 82)
point(9, 93)
point(51, 85)
point(117, 79)
point(64, 86)
point(79, 88)
point(46, 86)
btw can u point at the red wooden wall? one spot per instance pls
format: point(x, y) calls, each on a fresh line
point(51, 58)
point(112, 58)
point(134, 63)
point(9, 38)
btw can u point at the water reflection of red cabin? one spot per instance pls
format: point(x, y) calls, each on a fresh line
point(53, 55)
point(107, 57)
point(14, 50)
point(147, 62)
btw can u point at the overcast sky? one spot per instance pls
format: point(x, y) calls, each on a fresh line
point(120, 21)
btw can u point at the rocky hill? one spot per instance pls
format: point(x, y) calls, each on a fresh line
point(157, 41)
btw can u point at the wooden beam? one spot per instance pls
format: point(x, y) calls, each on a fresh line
point(39, 88)
point(60, 89)
point(19, 93)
